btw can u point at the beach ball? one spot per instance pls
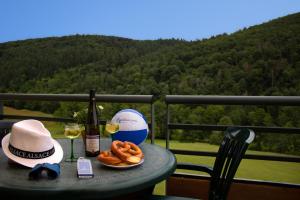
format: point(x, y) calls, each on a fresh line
point(132, 126)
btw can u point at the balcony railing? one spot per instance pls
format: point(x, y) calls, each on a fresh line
point(139, 99)
point(184, 100)
point(230, 100)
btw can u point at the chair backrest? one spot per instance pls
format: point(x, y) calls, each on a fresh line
point(231, 151)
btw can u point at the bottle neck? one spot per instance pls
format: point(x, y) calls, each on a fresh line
point(92, 94)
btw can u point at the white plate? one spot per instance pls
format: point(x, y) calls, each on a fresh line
point(123, 166)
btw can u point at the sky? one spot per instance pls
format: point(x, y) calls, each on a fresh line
point(136, 19)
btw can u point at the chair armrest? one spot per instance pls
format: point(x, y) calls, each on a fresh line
point(195, 167)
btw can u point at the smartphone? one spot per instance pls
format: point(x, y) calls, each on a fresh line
point(84, 168)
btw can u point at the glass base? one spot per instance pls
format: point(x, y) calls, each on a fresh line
point(74, 159)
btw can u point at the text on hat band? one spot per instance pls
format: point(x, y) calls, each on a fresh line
point(30, 155)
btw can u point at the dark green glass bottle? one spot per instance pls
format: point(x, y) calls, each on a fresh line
point(92, 134)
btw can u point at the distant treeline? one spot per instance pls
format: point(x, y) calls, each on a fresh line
point(260, 60)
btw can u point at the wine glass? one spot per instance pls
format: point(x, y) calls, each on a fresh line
point(111, 127)
point(72, 131)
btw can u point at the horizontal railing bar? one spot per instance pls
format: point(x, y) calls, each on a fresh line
point(239, 180)
point(79, 97)
point(53, 119)
point(273, 158)
point(223, 128)
point(233, 100)
point(247, 156)
point(5, 124)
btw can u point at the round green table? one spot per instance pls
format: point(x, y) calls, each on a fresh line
point(108, 182)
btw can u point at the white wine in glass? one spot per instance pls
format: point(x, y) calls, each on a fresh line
point(72, 131)
point(112, 127)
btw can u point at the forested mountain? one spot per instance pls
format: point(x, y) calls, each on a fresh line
point(259, 60)
point(39, 64)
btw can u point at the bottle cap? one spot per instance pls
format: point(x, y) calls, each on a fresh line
point(92, 91)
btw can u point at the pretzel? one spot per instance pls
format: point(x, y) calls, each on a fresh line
point(108, 158)
point(135, 150)
point(121, 153)
point(120, 149)
point(131, 155)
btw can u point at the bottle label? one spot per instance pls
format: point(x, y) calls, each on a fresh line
point(92, 143)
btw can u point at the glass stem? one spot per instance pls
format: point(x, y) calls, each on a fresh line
point(72, 153)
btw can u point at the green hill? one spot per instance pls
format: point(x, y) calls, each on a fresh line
point(23, 64)
point(259, 60)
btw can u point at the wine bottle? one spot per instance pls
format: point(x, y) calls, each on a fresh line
point(92, 135)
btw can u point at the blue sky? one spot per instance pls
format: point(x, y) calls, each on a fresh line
point(136, 19)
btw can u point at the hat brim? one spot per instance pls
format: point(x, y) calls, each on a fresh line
point(54, 158)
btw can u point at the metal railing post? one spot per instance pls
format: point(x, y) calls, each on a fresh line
point(152, 123)
point(167, 127)
point(1, 110)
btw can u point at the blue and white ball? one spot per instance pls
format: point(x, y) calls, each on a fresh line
point(133, 126)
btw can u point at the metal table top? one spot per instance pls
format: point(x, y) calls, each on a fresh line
point(159, 164)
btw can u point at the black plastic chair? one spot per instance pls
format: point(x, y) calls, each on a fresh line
point(230, 154)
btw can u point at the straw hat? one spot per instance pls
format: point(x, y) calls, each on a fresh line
point(30, 143)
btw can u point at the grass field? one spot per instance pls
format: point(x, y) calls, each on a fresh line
point(248, 169)
point(55, 128)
